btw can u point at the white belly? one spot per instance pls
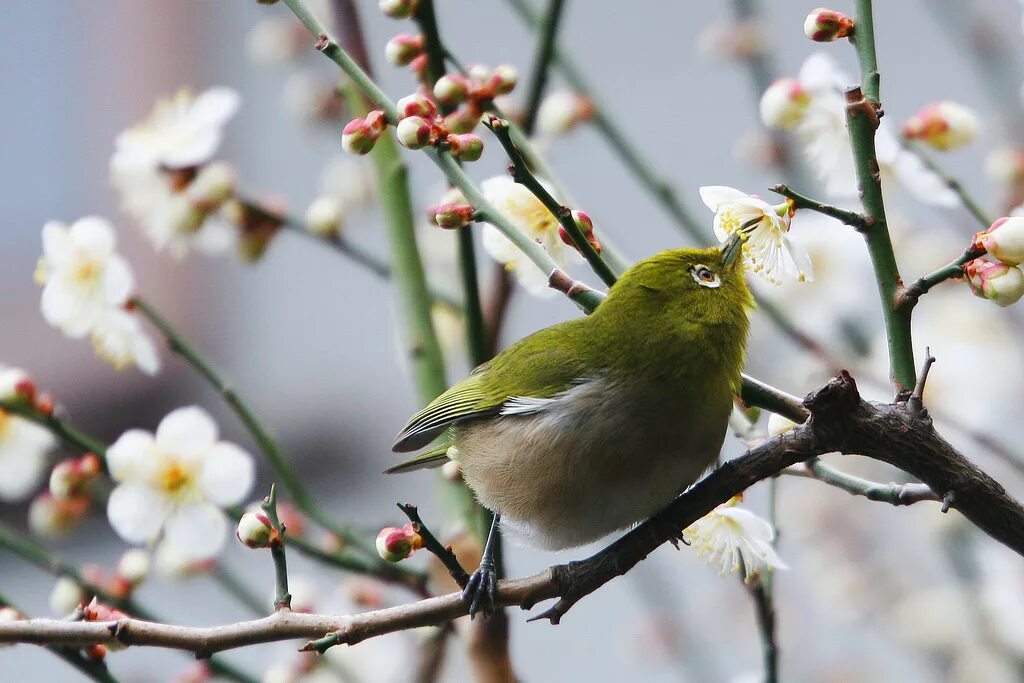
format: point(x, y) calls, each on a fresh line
point(583, 467)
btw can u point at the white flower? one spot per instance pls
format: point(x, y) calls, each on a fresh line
point(24, 445)
point(82, 275)
point(345, 186)
point(155, 161)
point(528, 214)
point(561, 111)
point(66, 595)
point(118, 339)
point(173, 484)
point(734, 538)
point(767, 249)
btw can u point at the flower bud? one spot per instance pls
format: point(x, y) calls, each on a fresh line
point(398, 9)
point(416, 105)
point(784, 103)
point(452, 216)
point(403, 48)
point(66, 596)
point(415, 132)
point(418, 66)
point(462, 120)
point(503, 79)
point(586, 226)
point(71, 477)
point(996, 282)
point(394, 544)
point(1004, 240)
point(185, 215)
point(377, 120)
point(213, 185)
point(323, 217)
point(358, 137)
point(943, 125)
point(50, 517)
point(451, 89)
point(134, 566)
point(562, 111)
point(255, 530)
point(467, 146)
point(16, 385)
point(825, 25)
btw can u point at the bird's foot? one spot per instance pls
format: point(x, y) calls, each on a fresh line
point(664, 529)
point(481, 590)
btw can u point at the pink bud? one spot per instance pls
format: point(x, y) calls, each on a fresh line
point(71, 477)
point(255, 530)
point(451, 89)
point(415, 132)
point(825, 25)
point(394, 544)
point(358, 137)
point(25, 390)
point(562, 111)
point(503, 79)
point(50, 517)
point(416, 105)
point(377, 121)
point(943, 125)
point(586, 226)
point(419, 67)
point(451, 216)
point(398, 9)
point(1004, 239)
point(467, 146)
point(403, 48)
point(784, 103)
point(996, 282)
point(462, 120)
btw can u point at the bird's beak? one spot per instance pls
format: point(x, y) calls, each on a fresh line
point(731, 249)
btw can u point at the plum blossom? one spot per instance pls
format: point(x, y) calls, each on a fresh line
point(156, 161)
point(528, 214)
point(171, 485)
point(767, 249)
point(734, 538)
point(24, 445)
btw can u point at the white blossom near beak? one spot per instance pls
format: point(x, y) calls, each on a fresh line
point(767, 250)
point(734, 539)
point(173, 484)
point(528, 214)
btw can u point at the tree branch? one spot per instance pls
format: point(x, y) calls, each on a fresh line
point(851, 218)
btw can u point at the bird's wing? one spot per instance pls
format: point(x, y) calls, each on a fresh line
point(534, 369)
point(432, 458)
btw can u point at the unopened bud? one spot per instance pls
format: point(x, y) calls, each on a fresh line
point(784, 103)
point(377, 120)
point(403, 48)
point(451, 89)
point(398, 9)
point(462, 120)
point(562, 111)
point(996, 282)
point(8, 614)
point(415, 132)
point(418, 66)
point(467, 146)
point(213, 185)
point(71, 477)
point(586, 226)
point(255, 530)
point(943, 125)
point(134, 566)
point(323, 217)
point(825, 25)
point(45, 405)
point(1004, 239)
point(394, 544)
point(50, 517)
point(503, 79)
point(66, 596)
point(358, 137)
point(185, 215)
point(451, 216)
point(416, 105)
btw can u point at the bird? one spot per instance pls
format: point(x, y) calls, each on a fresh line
point(592, 425)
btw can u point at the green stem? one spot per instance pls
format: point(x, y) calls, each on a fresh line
point(57, 426)
point(908, 297)
point(800, 201)
point(893, 494)
point(545, 51)
point(863, 39)
point(521, 174)
point(282, 468)
point(282, 598)
point(757, 393)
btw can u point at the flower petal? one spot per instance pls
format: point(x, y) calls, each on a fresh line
point(133, 457)
point(227, 474)
point(117, 281)
point(214, 107)
point(715, 196)
point(56, 243)
point(93, 236)
point(188, 432)
point(137, 512)
point(196, 531)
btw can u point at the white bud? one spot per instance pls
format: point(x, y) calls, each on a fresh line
point(213, 185)
point(66, 596)
point(134, 566)
point(562, 111)
point(784, 103)
point(943, 125)
point(323, 217)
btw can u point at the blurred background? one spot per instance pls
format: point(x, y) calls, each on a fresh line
point(873, 593)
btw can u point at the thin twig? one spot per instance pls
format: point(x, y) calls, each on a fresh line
point(851, 218)
point(542, 56)
point(893, 494)
point(441, 552)
point(282, 598)
point(915, 403)
point(907, 297)
point(972, 206)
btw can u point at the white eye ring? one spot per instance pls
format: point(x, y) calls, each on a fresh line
point(705, 277)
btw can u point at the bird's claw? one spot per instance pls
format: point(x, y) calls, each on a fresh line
point(481, 590)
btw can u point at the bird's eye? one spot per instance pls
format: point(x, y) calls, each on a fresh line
point(705, 277)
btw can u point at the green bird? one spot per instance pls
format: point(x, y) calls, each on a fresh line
point(591, 425)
